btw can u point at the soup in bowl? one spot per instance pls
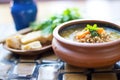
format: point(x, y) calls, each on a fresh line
point(87, 43)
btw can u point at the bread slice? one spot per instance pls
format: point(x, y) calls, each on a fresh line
point(36, 36)
point(14, 41)
point(30, 37)
point(32, 46)
point(46, 38)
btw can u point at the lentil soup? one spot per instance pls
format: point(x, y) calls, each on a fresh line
point(90, 34)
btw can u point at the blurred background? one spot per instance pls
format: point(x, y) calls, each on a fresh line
point(108, 10)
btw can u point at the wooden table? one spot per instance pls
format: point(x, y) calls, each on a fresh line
point(47, 66)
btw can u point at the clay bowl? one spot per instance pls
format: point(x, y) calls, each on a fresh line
point(86, 55)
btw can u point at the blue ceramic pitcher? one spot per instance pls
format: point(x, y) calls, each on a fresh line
point(23, 12)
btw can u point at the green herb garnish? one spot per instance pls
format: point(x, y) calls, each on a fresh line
point(48, 26)
point(92, 29)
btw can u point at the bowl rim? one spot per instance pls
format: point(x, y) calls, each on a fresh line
point(69, 42)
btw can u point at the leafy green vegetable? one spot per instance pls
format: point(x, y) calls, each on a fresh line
point(48, 26)
point(94, 33)
point(92, 29)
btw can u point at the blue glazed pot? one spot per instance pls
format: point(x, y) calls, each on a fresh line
point(23, 12)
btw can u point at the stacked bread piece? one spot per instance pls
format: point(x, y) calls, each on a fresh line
point(30, 41)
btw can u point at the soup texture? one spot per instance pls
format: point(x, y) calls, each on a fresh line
point(90, 34)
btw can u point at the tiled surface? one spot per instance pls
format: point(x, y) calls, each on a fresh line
point(74, 73)
point(74, 77)
point(24, 69)
point(104, 76)
point(48, 66)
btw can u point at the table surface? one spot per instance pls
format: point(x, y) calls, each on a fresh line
point(48, 64)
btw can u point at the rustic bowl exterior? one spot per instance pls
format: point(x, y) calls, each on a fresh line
point(86, 55)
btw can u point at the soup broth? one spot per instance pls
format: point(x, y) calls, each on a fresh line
point(70, 34)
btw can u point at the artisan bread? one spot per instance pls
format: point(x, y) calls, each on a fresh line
point(30, 37)
point(32, 46)
point(14, 41)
